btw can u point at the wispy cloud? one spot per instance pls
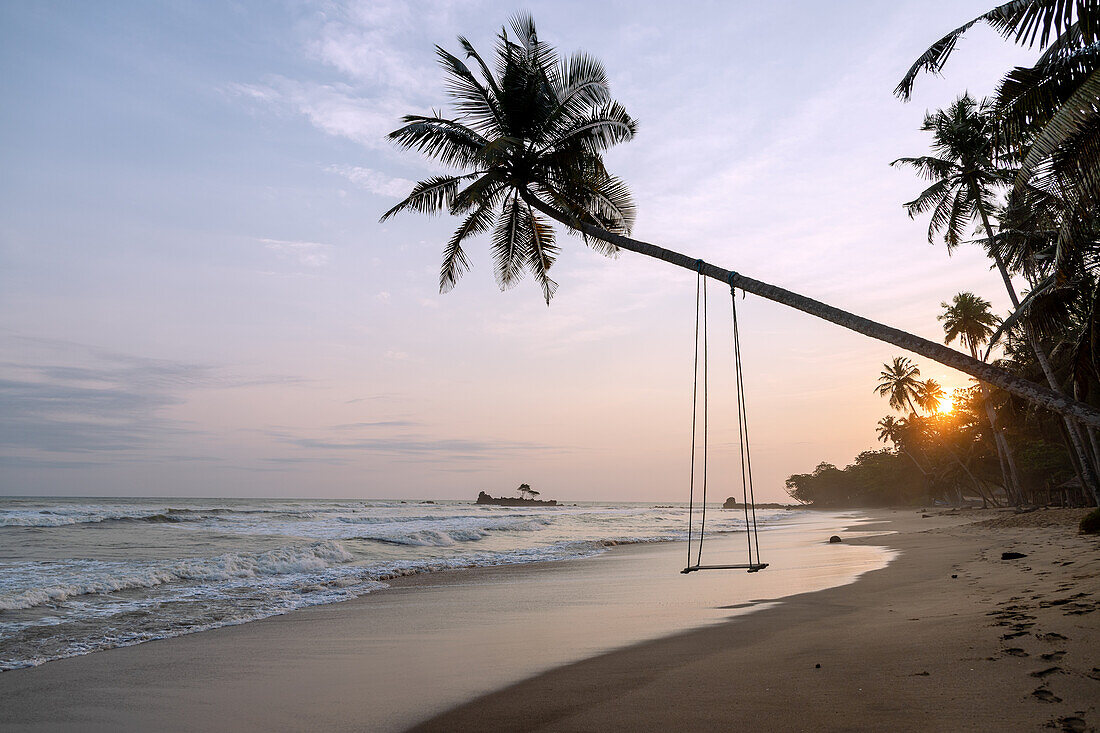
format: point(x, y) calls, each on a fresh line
point(309, 254)
point(66, 397)
point(427, 448)
point(377, 50)
point(374, 181)
point(377, 424)
point(114, 405)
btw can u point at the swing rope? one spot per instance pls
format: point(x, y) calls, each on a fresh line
point(748, 497)
point(747, 494)
point(700, 287)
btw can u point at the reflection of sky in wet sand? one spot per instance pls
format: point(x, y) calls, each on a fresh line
point(460, 637)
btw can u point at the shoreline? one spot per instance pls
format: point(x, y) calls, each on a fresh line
point(947, 637)
point(331, 666)
point(391, 658)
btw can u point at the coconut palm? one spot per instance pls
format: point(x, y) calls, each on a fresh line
point(899, 384)
point(931, 395)
point(964, 177)
point(1047, 112)
point(969, 319)
point(963, 173)
point(528, 139)
point(893, 430)
point(887, 430)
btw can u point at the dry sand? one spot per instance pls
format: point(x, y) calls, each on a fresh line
point(1006, 645)
point(949, 637)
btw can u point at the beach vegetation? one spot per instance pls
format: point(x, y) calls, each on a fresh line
point(526, 492)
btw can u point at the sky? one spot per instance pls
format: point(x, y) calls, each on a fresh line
point(197, 297)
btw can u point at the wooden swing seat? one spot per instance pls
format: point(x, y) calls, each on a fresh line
point(751, 567)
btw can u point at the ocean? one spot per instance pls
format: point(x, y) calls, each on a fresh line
point(81, 575)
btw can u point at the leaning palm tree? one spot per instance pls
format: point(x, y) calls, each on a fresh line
point(528, 139)
point(969, 319)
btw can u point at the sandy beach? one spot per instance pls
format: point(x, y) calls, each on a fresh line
point(1005, 645)
point(948, 637)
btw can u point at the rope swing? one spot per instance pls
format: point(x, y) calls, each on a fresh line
point(748, 500)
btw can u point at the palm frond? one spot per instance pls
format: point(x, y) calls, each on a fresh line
point(960, 215)
point(448, 141)
point(455, 262)
point(929, 198)
point(1026, 22)
point(509, 241)
point(471, 98)
point(541, 252)
point(932, 60)
point(607, 126)
point(484, 190)
point(929, 167)
point(471, 53)
point(430, 196)
point(1070, 119)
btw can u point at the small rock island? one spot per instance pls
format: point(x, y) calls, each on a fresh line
point(526, 498)
point(732, 503)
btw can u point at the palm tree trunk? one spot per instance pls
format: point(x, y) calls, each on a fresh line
point(1013, 472)
point(949, 357)
point(1092, 439)
point(1009, 474)
point(1072, 429)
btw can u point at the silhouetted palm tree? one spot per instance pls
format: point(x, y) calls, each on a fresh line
point(1048, 115)
point(899, 384)
point(893, 430)
point(931, 395)
point(529, 137)
point(969, 319)
point(964, 174)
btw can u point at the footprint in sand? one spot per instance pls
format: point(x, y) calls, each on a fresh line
point(1073, 724)
point(1016, 652)
point(1053, 656)
point(1046, 672)
point(1045, 695)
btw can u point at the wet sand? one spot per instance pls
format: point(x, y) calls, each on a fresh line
point(1004, 645)
point(907, 647)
